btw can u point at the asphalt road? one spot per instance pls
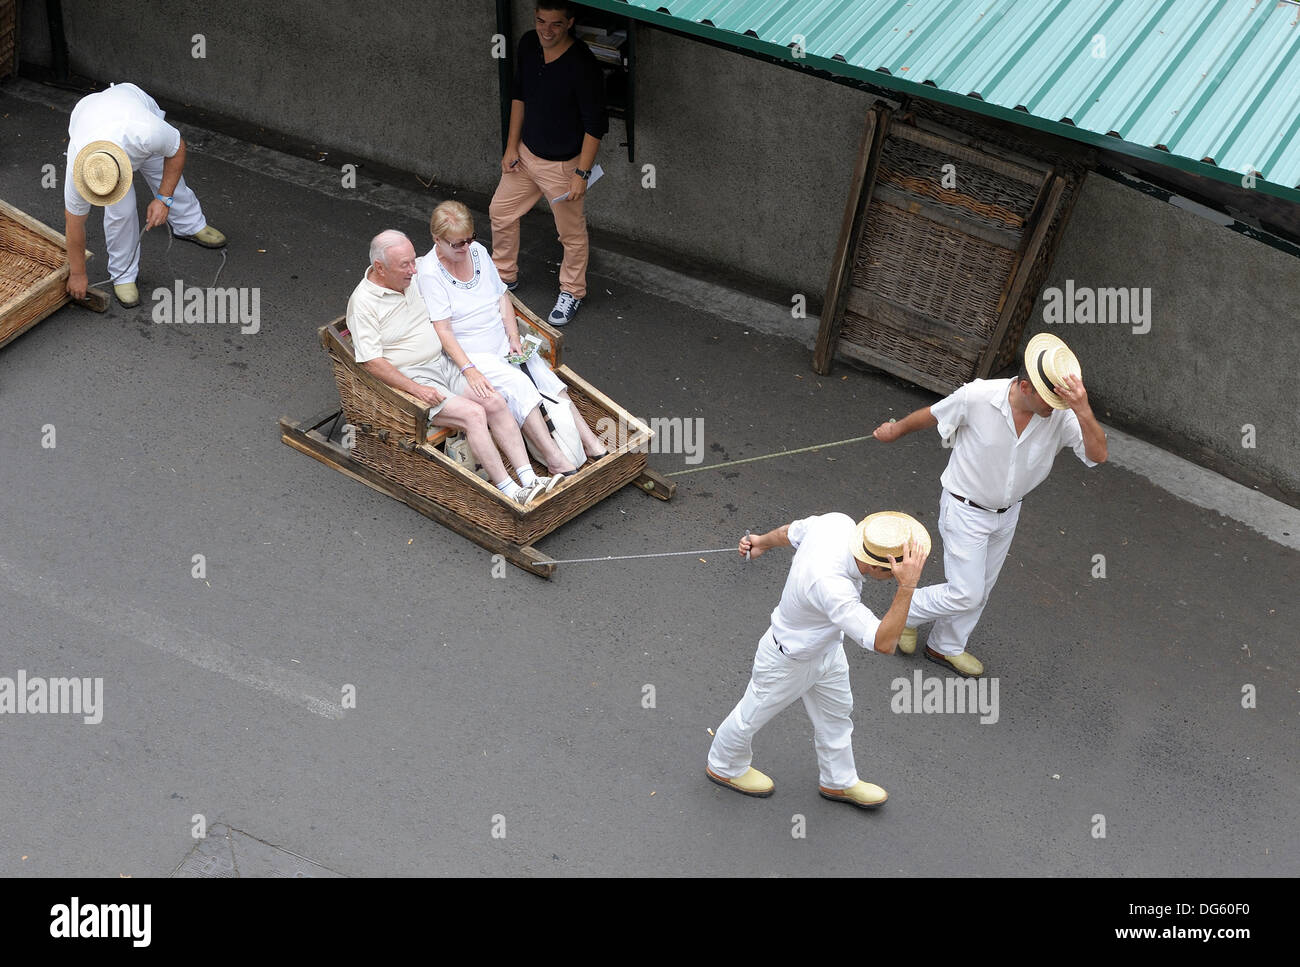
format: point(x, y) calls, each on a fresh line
point(515, 705)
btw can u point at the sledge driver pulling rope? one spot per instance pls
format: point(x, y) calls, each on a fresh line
point(714, 466)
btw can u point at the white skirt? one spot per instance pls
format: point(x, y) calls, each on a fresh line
point(520, 393)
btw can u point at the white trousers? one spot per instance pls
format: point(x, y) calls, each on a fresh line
point(975, 543)
point(122, 222)
point(776, 682)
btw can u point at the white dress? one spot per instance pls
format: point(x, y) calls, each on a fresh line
point(475, 313)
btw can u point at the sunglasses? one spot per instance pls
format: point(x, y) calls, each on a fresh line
point(457, 246)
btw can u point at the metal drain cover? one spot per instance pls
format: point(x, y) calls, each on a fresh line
point(230, 852)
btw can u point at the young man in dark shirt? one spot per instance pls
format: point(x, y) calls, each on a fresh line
point(557, 118)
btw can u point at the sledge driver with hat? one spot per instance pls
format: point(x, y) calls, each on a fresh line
point(801, 655)
point(1004, 434)
point(111, 135)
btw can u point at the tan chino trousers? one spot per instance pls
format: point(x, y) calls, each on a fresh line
point(518, 192)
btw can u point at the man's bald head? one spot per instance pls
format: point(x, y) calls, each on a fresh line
point(392, 260)
point(381, 243)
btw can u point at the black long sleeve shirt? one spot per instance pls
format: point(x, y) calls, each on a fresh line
point(563, 100)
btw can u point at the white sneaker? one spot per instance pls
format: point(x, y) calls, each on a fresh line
point(525, 495)
point(566, 307)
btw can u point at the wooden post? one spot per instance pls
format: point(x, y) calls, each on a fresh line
point(855, 208)
point(1049, 199)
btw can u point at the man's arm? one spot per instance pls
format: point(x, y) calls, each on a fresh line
point(906, 572)
point(577, 185)
point(385, 371)
point(921, 419)
point(1075, 396)
point(74, 230)
point(755, 545)
point(514, 134)
point(173, 167)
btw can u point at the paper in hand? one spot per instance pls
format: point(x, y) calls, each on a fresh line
point(596, 172)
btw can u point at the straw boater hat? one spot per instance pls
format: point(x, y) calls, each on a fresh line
point(884, 535)
point(1048, 361)
point(102, 173)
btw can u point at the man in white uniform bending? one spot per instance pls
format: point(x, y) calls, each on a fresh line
point(1005, 434)
point(801, 655)
point(394, 339)
point(111, 135)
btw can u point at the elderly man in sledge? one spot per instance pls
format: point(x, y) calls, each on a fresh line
point(394, 339)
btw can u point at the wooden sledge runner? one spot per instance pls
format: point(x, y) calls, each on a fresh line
point(395, 451)
point(34, 274)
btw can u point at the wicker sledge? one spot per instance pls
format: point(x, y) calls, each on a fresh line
point(395, 451)
point(33, 274)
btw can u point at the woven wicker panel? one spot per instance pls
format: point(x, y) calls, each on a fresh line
point(423, 471)
point(363, 407)
point(1026, 309)
point(25, 259)
point(32, 270)
point(579, 493)
point(8, 37)
point(419, 471)
point(938, 271)
point(52, 296)
point(889, 334)
point(982, 195)
point(1070, 161)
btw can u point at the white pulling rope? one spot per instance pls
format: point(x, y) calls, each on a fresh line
point(166, 258)
point(632, 557)
point(769, 456)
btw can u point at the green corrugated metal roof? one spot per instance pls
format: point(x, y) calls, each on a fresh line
point(1207, 86)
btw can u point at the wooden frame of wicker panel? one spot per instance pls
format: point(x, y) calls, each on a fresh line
point(391, 439)
point(8, 38)
point(933, 283)
point(33, 273)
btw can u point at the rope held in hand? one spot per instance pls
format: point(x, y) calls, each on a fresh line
point(166, 258)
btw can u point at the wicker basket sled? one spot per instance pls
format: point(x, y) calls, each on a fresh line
point(33, 274)
point(382, 437)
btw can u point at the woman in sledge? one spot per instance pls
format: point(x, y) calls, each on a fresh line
point(475, 320)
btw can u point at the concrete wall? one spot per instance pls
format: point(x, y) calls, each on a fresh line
point(33, 32)
point(1224, 338)
point(752, 163)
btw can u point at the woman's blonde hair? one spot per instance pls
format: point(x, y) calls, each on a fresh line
point(451, 217)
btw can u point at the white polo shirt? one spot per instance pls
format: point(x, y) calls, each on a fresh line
point(394, 325)
point(990, 464)
point(129, 118)
point(822, 599)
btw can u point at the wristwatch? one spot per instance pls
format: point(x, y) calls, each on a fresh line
point(584, 175)
point(165, 199)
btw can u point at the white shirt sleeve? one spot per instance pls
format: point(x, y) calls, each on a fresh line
point(951, 412)
point(72, 199)
point(363, 325)
point(435, 295)
point(152, 137)
point(797, 531)
point(1072, 437)
point(490, 274)
point(838, 600)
